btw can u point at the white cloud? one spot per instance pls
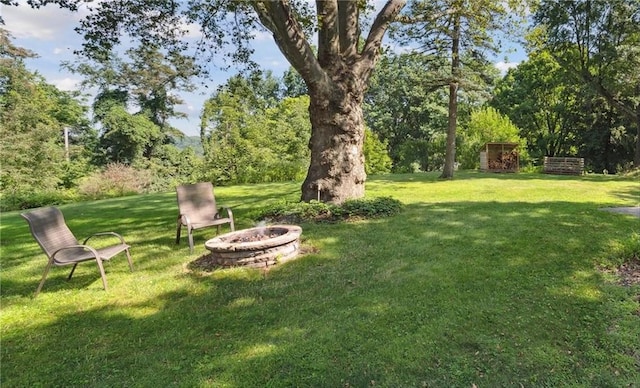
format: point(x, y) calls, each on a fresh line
point(67, 83)
point(46, 23)
point(278, 64)
point(62, 51)
point(262, 35)
point(505, 66)
point(192, 30)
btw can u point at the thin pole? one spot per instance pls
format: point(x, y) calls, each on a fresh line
point(66, 144)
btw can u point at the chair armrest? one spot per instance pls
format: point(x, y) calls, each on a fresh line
point(114, 234)
point(229, 212)
point(184, 219)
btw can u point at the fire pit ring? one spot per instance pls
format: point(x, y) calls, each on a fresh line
point(255, 247)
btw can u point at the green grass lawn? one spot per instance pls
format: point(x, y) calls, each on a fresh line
point(488, 279)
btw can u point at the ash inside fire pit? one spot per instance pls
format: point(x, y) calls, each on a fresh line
point(255, 247)
point(253, 237)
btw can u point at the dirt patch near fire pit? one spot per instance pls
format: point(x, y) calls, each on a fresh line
point(627, 275)
point(629, 272)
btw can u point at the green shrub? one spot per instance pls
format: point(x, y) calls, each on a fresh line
point(376, 157)
point(319, 211)
point(28, 200)
point(116, 180)
point(629, 171)
point(369, 208)
point(487, 125)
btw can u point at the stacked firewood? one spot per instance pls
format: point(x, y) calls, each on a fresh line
point(504, 161)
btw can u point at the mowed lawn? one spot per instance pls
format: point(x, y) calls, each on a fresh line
point(490, 280)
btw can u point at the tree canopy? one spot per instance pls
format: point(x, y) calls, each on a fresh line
point(33, 115)
point(463, 32)
point(598, 42)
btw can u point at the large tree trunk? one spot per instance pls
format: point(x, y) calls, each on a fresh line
point(336, 172)
point(336, 75)
point(450, 153)
point(636, 154)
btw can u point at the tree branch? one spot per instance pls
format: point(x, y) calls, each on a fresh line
point(348, 15)
point(277, 17)
point(328, 35)
point(380, 25)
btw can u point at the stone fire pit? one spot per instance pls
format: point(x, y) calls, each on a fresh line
point(255, 247)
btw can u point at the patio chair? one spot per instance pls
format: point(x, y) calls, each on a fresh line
point(62, 248)
point(197, 207)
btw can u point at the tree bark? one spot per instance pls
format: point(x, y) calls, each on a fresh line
point(636, 154)
point(336, 172)
point(450, 153)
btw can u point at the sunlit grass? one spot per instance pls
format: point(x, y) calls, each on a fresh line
point(486, 279)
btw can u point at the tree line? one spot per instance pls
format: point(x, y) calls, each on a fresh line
point(255, 128)
point(427, 107)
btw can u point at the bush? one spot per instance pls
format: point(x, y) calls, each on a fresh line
point(487, 125)
point(376, 157)
point(28, 200)
point(294, 212)
point(629, 171)
point(369, 208)
point(116, 180)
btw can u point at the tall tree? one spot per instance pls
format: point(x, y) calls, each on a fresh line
point(462, 31)
point(294, 85)
point(33, 115)
point(146, 81)
point(599, 42)
point(538, 99)
point(247, 145)
point(154, 78)
point(407, 109)
point(336, 74)
point(125, 137)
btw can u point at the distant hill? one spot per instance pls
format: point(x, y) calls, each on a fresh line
point(192, 142)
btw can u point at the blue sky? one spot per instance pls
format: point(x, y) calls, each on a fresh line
point(48, 31)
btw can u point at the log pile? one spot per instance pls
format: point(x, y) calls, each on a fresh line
point(561, 165)
point(504, 161)
point(499, 157)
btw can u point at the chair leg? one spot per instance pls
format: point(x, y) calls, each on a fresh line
point(178, 232)
point(233, 227)
point(102, 275)
point(44, 277)
point(72, 270)
point(190, 240)
point(129, 259)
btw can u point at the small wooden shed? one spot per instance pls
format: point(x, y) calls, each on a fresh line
point(500, 157)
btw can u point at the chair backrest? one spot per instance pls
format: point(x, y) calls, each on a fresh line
point(197, 201)
point(49, 229)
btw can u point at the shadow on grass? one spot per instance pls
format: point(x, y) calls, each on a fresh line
point(448, 294)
